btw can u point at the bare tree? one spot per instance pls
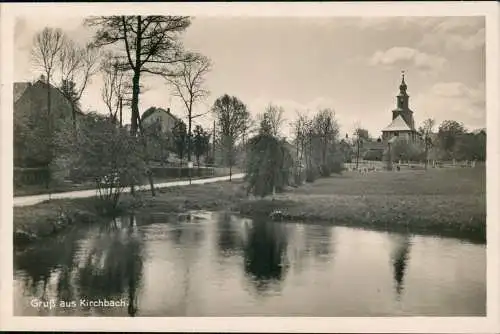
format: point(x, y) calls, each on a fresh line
point(273, 115)
point(299, 126)
point(233, 117)
point(426, 131)
point(188, 85)
point(46, 46)
point(113, 91)
point(327, 130)
point(77, 65)
point(149, 45)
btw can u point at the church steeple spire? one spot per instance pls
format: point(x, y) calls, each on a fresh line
point(402, 98)
point(402, 87)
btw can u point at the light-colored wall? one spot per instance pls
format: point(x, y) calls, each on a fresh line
point(166, 120)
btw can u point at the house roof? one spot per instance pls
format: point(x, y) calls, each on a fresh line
point(150, 111)
point(19, 89)
point(398, 124)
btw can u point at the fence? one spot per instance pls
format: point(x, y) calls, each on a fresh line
point(31, 176)
point(362, 164)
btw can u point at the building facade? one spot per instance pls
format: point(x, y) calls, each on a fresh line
point(403, 123)
point(31, 126)
point(164, 118)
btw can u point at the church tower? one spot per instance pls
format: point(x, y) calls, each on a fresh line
point(402, 116)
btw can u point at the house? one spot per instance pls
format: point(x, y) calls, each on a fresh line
point(32, 98)
point(30, 120)
point(403, 124)
point(164, 118)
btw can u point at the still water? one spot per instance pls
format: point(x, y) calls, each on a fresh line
point(217, 264)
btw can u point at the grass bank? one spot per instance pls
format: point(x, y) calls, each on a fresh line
point(449, 202)
point(50, 217)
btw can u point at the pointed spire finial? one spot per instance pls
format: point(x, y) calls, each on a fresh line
point(403, 76)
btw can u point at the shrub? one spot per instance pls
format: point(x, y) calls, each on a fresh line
point(105, 153)
point(336, 164)
point(325, 170)
point(268, 165)
point(311, 175)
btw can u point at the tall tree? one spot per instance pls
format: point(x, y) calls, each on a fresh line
point(188, 85)
point(179, 138)
point(233, 118)
point(77, 66)
point(114, 90)
point(273, 115)
point(46, 46)
point(362, 134)
point(326, 131)
point(201, 143)
point(426, 131)
point(448, 135)
point(147, 45)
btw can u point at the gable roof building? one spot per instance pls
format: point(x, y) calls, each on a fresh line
point(163, 117)
point(403, 123)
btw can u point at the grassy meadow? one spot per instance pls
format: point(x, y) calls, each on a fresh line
point(447, 201)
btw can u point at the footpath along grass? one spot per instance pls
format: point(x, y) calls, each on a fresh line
point(49, 217)
point(31, 190)
point(448, 201)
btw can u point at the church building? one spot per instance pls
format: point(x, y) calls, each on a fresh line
point(403, 124)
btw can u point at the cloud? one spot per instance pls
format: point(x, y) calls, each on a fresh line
point(453, 101)
point(407, 57)
point(392, 23)
point(465, 33)
point(457, 33)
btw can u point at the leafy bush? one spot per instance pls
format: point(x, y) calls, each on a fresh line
point(268, 165)
point(311, 174)
point(336, 165)
point(106, 153)
point(325, 170)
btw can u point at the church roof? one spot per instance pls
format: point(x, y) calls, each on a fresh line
point(398, 124)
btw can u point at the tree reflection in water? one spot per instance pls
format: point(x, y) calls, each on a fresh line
point(51, 258)
point(229, 241)
point(113, 265)
point(186, 230)
point(318, 241)
point(400, 259)
point(265, 254)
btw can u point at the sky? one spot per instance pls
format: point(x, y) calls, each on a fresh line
point(349, 64)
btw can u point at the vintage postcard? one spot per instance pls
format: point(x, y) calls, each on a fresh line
point(317, 167)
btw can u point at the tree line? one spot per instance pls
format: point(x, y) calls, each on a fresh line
point(124, 50)
point(449, 141)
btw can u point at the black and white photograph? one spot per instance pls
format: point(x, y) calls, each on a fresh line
point(182, 165)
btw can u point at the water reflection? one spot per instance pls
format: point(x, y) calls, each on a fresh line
point(211, 264)
point(113, 264)
point(40, 263)
point(229, 234)
point(265, 254)
point(400, 259)
point(185, 231)
point(318, 241)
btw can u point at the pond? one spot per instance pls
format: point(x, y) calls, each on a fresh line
point(219, 264)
